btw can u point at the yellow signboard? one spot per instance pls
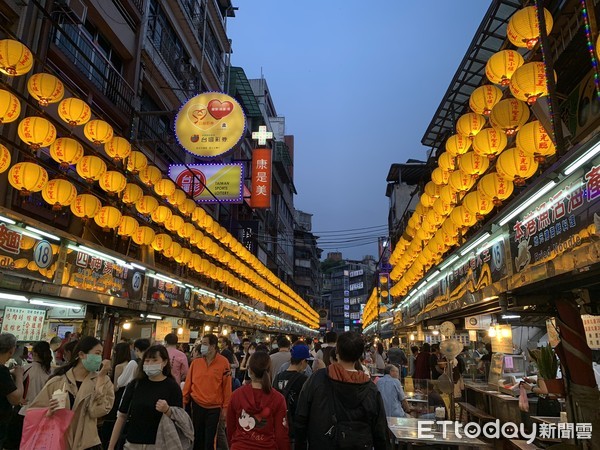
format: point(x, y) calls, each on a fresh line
point(210, 124)
point(210, 183)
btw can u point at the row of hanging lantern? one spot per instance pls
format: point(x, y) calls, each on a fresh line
point(445, 210)
point(29, 177)
point(370, 312)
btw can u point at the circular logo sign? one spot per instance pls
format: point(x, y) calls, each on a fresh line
point(42, 254)
point(210, 124)
point(188, 181)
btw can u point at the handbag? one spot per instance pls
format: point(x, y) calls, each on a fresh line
point(46, 432)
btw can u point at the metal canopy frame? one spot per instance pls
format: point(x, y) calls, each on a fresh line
point(239, 86)
point(489, 39)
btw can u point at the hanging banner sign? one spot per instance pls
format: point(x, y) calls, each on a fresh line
point(210, 124)
point(163, 327)
point(25, 324)
point(591, 325)
point(26, 255)
point(210, 183)
point(262, 159)
point(169, 294)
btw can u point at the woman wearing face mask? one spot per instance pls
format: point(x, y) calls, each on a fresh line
point(90, 393)
point(146, 399)
point(244, 362)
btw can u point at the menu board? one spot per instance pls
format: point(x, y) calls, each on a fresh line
point(25, 324)
point(26, 255)
point(170, 294)
point(163, 327)
point(591, 325)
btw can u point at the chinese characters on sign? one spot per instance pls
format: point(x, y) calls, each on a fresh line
point(261, 178)
point(25, 324)
point(210, 183)
point(591, 325)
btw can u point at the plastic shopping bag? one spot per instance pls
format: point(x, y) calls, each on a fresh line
point(43, 432)
point(523, 401)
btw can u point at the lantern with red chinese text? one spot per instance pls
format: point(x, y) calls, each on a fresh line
point(439, 176)
point(45, 88)
point(460, 181)
point(118, 148)
point(450, 196)
point(478, 204)
point(177, 198)
point(186, 231)
point(66, 152)
point(509, 115)
point(136, 162)
point(432, 189)
point(143, 236)
point(146, 205)
point(131, 194)
point(458, 144)
point(424, 234)
point(165, 187)
point(462, 217)
point(173, 251)
point(10, 107)
point(534, 140)
point(515, 165)
point(98, 131)
point(27, 177)
point(85, 206)
point(127, 227)
point(108, 218)
point(5, 158)
point(450, 228)
point(490, 143)
point(15, 58)
point(469, 125)
point(36, 132)
point(426, 200)
point(112, 182)
point(501, 66)
point(162, 215)
point(441, 207)
point(59, 193)
point(90, 168)
point(187, 207)
point(197, 214)
point(174, 223)
point(495, 187)
point(528, 83)
point(484, 98)
point(474, 164)
point(162, 242)
point(447, 162)
point(196, 262)
point(184, 257)
point(434, 218)
point(74, 111)
point(150, 175)
point(523, 29)
point(196, 237)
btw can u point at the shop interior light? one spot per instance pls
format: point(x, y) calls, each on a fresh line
point(43, 233)
point(16, 298)
point(160, 277)
point(480, 240)
point(547, 187)
point(435, 332)
point(511, 316)
point(25, 232)
point(52, 303)
point(7, 220)
point(582, 159)
point(189, 285)
point(505, 332)
point(127, 326)
point(93, 252)
point(449, 261)
point(179, 331)
point(412, 337)
point(433, 275)
point(206, 327)
point(153, 317)
point(225, 331)
point(137, 266)
point(492, 331)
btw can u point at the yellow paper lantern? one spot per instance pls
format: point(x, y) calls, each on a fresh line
point(10, 107)
point(108, 218)
point(186, 230)
point(132, 193)
point(118, 148)
point(434, 218)
point(197, 214)
point(27, 177)
point(150, 175)
point(528, 83)
point(136, 162)
point(432, 189)
point(173, 251)
point(112, 182)
point(45, 88)
point(478, 204)
point(174, 223)
point(66, 152)
point(164, 187)
point(127, 227)
point(5, 158)
point(37, 132)
point(177, 198)
point(143, 235)
point(441, 207)
point(450, 228)
point(85, 206)
point(440, 176)
point(457, 145)
point(98, 131)
point(187, 207)
point(484, 98)
point(424, 234)
point(501, 66)
point(460, 181)
point(59, 193)
point(162, 215)
point(462, 217)
point(450, 196)
point(74, 111)
point(510, 114)
point(490, 142)
point(184, 257)
point(196, 237)
point(515, 165)
point(447, 162)
point(15, 58)
point(472, 163)
point(469, 125)
point(523, 29)
point(90, 168)
point(426, 200)
point(146, 205)
point(162, 242)
point(495, 187)
point(534, 140)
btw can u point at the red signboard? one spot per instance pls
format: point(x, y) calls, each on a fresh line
point(262, 159)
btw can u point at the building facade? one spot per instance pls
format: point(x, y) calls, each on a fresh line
point(307, 255)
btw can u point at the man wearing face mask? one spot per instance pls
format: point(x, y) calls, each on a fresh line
point(208, 390)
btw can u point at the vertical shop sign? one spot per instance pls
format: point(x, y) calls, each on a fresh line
point(25, 324)
point(262, 160)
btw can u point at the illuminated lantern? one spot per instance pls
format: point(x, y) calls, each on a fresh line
point(473, 163)
point(449, 196)
point(436, 246)
point(184, 257)
point(112, 182)
point(15, 58)
point(490, 142)
point(143, 236)
point(457, 144)
point(441, 207)
point(150, 175)
point(164, 187)
point(27, 177)
point(108, 218)
point(197, 263)
point(174, 223)
point(510, 114)
point(74, 111)
point(59, 193)
point(85, 206)
point(45, 88)
point(98, 131)
point(136, 162)
point(426, 200)
point(460, 181)
point(523, 29)
point(528, 83)
point(187, 230)
point(484, 98)
point(447, 162)
point(177, 198)
point(515, 165)
point(127, 227)
point(118, 148)
point(162, 215)
point(146, 205)
point(132, 193)
point(5, 158)
point(162, 242)
point(432, 189)
point(534, 140)
point(440, 177)
point(187, 207)
point(420, 210)
point(197, 214)
point(501, 66)
point(424, 234)
point(66, 152)
point(434, 218)
point(10, 107)
point(450, 228)
point(495, 187)
point(90, 168)
point(469, 125)
point(37, 132)
point(196, 237)
point(462, 217)
point(478, 204)
point(173, 251)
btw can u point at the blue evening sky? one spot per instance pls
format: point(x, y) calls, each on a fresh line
point(358, 83)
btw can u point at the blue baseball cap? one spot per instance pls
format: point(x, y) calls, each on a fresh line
point(301, 351)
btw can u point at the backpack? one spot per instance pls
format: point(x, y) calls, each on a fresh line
point(290, 397)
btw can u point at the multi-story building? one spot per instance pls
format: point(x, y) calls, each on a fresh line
point(307, 275)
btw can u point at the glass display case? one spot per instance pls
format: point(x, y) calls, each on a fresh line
point(507, 371)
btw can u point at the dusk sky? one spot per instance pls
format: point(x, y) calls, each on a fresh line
point(358, 83)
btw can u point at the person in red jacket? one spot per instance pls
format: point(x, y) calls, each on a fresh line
point(257, 413)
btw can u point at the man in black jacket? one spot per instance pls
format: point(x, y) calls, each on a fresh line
point(342, 390)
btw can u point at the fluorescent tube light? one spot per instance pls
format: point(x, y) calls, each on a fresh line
point(93, 252)
point(160, 277)
point(475, 243)
point(154, 317)
point(43, 233)
point(190, 286)
point(511, 316)
point(7, 220)
point(54, 304)
point(582, 159)
point(16, 298)
point(449, 261)
point(137, 266)
point(433, 275)
point(527, 203)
